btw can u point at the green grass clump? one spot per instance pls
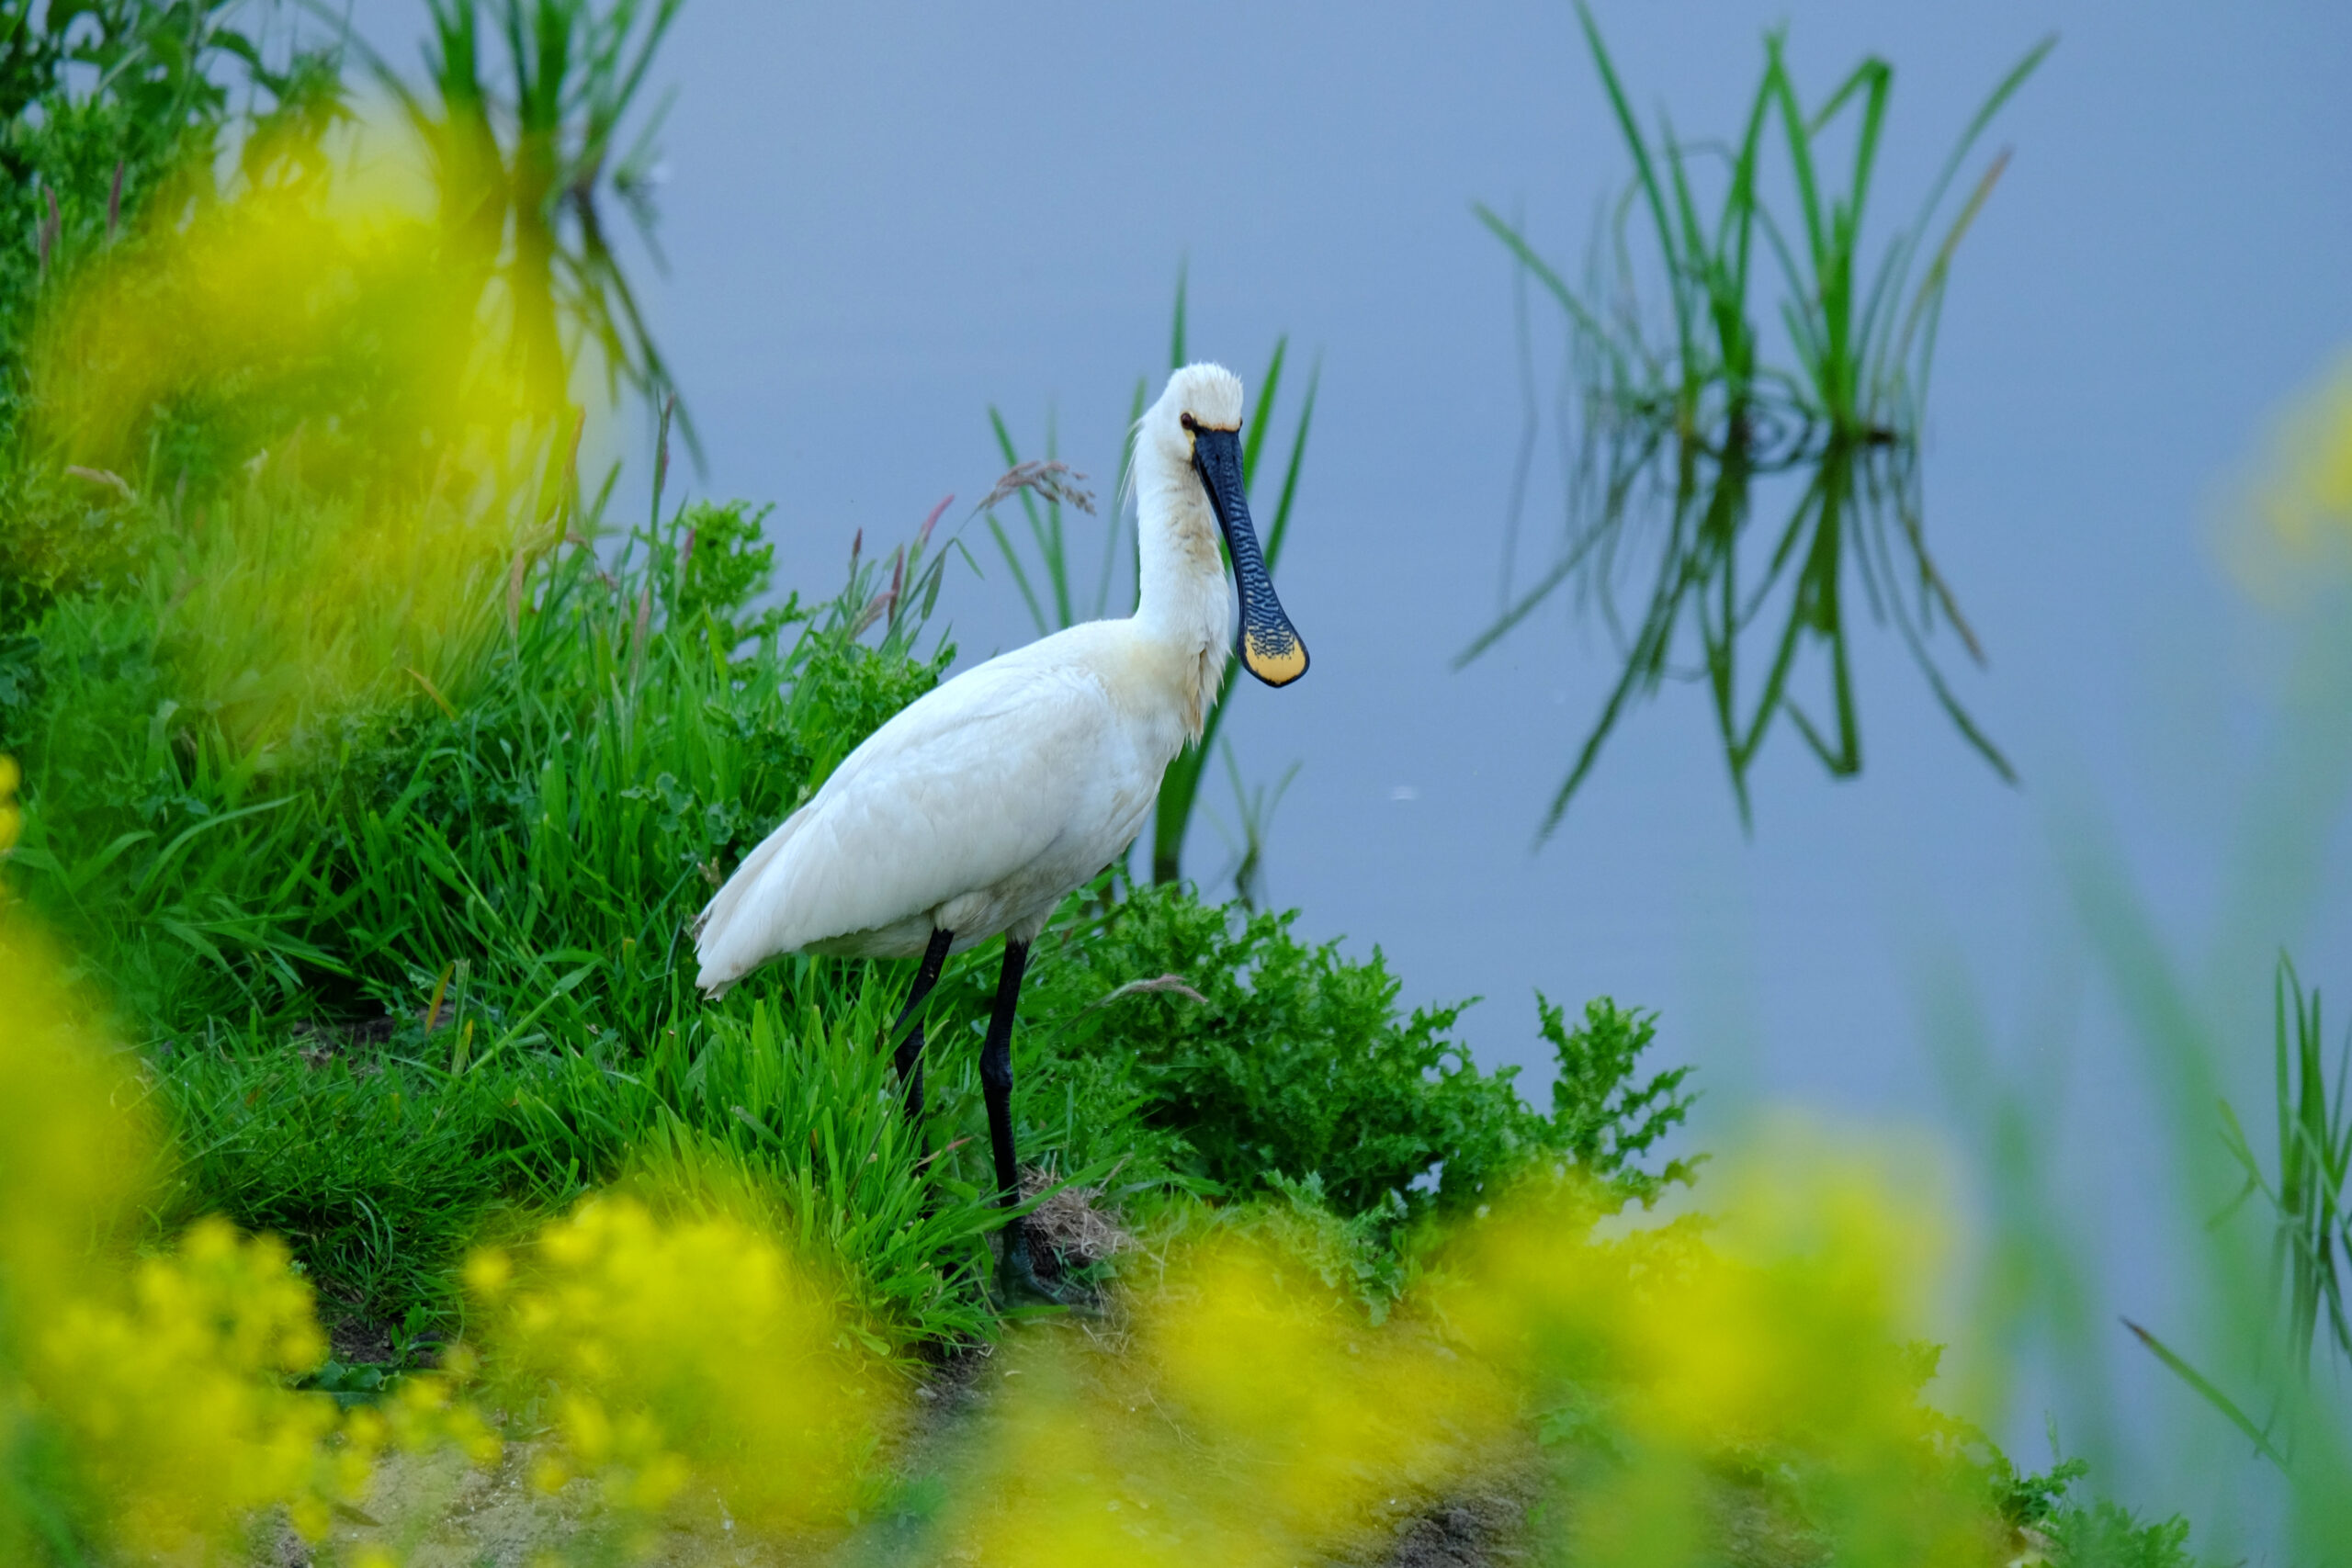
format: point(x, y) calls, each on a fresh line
point(369, 1167)
point(383, 1161)
point(548, 812)
point(2310, 1210)
point(1862, 350)
point(570, 818)
point(417, 966)
point(2308, 1197)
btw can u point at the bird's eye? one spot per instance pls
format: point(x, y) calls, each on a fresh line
point(1191, 423)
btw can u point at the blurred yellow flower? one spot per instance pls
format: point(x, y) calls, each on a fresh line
point(76, 1142)
point(163, 1380)
point(1239, 1409)
point(175, 1401)
point(424, 1412)
point(2295, 529)
point(11, 818)
point(1250, 1414)
point(1784, 1331)
point(348, 315)
point(402, 460)
point(488, 1268)
point(683, 1350)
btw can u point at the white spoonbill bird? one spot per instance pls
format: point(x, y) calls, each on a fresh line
point(986, 802)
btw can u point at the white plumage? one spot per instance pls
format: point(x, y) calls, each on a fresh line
point(982, 805)
point(975, 810)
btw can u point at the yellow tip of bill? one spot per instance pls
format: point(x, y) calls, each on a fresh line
point(1277, 664)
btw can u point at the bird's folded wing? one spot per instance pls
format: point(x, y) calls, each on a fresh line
point(959, 792)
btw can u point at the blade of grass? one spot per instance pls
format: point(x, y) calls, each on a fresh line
point(1645, 176)
point(2206, 1390)
point(1176, 360)
point(1263, 417)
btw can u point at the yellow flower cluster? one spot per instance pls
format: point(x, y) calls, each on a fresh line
point(1352, 1409)
point(689, 1351)
point(1250, 1415)
point(1780, 1334)
point(350, 294)
point(426, 1411)
point(161, 1384)
point(76, 1144)
point(175, 1399)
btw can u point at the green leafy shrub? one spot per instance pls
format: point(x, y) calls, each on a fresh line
point(2107, 1535)
point(1601, 1121)
point(2075, 1534)
point(1265, 1058)
point(176, 863)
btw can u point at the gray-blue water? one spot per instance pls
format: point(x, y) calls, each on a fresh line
point(881, 219)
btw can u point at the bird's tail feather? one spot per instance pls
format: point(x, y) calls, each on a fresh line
point(710, 927)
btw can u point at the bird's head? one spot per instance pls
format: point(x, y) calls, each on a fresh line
point(1198, 397)
point(1196, 427)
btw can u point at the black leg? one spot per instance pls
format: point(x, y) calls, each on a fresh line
point(996, 1073)
point(1018, 1270)
point(908, 1056)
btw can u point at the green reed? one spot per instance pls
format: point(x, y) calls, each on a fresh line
point(2308, 1199)
point(1688, 429)
point(2306, 1196)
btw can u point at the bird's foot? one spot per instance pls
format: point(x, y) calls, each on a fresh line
point(1019, 1285)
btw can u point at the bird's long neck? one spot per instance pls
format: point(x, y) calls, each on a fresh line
point(1185, 606)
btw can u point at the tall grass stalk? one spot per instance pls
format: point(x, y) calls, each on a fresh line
point(2308, 1199)
point(2310, 1208)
